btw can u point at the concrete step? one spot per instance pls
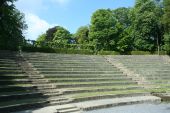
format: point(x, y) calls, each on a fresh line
point(94, 84)
point(81, 72)
point(19, 96)
point(69, 110)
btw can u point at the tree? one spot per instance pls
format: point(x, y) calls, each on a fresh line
point(12, 25)
point(50, 33)
point(82, 34)
point(125, 41)
point(103, 30)
point(61, 37)
point(166, 22)
point(146, 25)
point(41, 40)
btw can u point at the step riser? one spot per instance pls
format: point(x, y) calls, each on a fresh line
point(110, 96)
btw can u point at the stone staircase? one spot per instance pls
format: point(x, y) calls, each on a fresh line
point(43, 85)
point(36, 80)
point(84, 77)
point(152, 70)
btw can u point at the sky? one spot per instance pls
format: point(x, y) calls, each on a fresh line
point(40, 15)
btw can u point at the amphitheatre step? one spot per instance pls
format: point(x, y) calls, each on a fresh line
point(77, 69)
point(81, 72)
point(99, 89)
point(107, 95)
point(14, 88)
point(98, 104)
point(13, 76)
point(75, 109)
point(84, 75)
point(87, 79)
point(61, 102)
point(14, 81)
point(93, 84)
point(12, 106)
point(19, 96)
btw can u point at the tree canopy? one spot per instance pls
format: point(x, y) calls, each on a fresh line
point(12, 25)
point(144, 27)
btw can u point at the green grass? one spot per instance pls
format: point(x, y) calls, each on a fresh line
point(101, 87)
point(85, 82)
point(91, 94)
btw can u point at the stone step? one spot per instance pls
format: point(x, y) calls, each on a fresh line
point(81, 72)
point(9, 77)
point(60, 102)
point(89, 79)
point(74, 91)
point(77, 69)
point(11, 82)
point(27, 104)
point(107, 96)
point(49, 94)
point(69, 110)
point(19, 96)
point(94, 84)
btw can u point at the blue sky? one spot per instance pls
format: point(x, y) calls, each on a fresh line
point(71, 14)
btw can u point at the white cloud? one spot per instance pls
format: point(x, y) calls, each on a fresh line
point(33, 8)
point(36, 26)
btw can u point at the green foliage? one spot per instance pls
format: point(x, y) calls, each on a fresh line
point(108, 53)
point(140, 28)
point(140, 53)
point(41, 40)
point(61, 37)
point(167, 42)
point(166, 16)
point(146, 25)
point(57, 50)
point(103, 30)
point(82, 35)
point(12, 25)
point(125, 41)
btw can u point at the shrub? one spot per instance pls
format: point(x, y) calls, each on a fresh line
point(108, 53)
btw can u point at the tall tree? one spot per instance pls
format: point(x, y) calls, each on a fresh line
point(12, 25)
point(103, 30)
point(123, 16)
point(61, 37)
point(166, 21)
point(146, 25)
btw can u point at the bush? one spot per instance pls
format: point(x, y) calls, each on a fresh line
point(147, 53)
point(140, 53)
point(57, 50)
point(108, 53)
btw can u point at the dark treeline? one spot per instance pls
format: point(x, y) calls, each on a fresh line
point(144, 27)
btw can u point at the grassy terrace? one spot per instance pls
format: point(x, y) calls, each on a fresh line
point(16, 90)
point(83, 76)
point(154, 68)
point(78, 77)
